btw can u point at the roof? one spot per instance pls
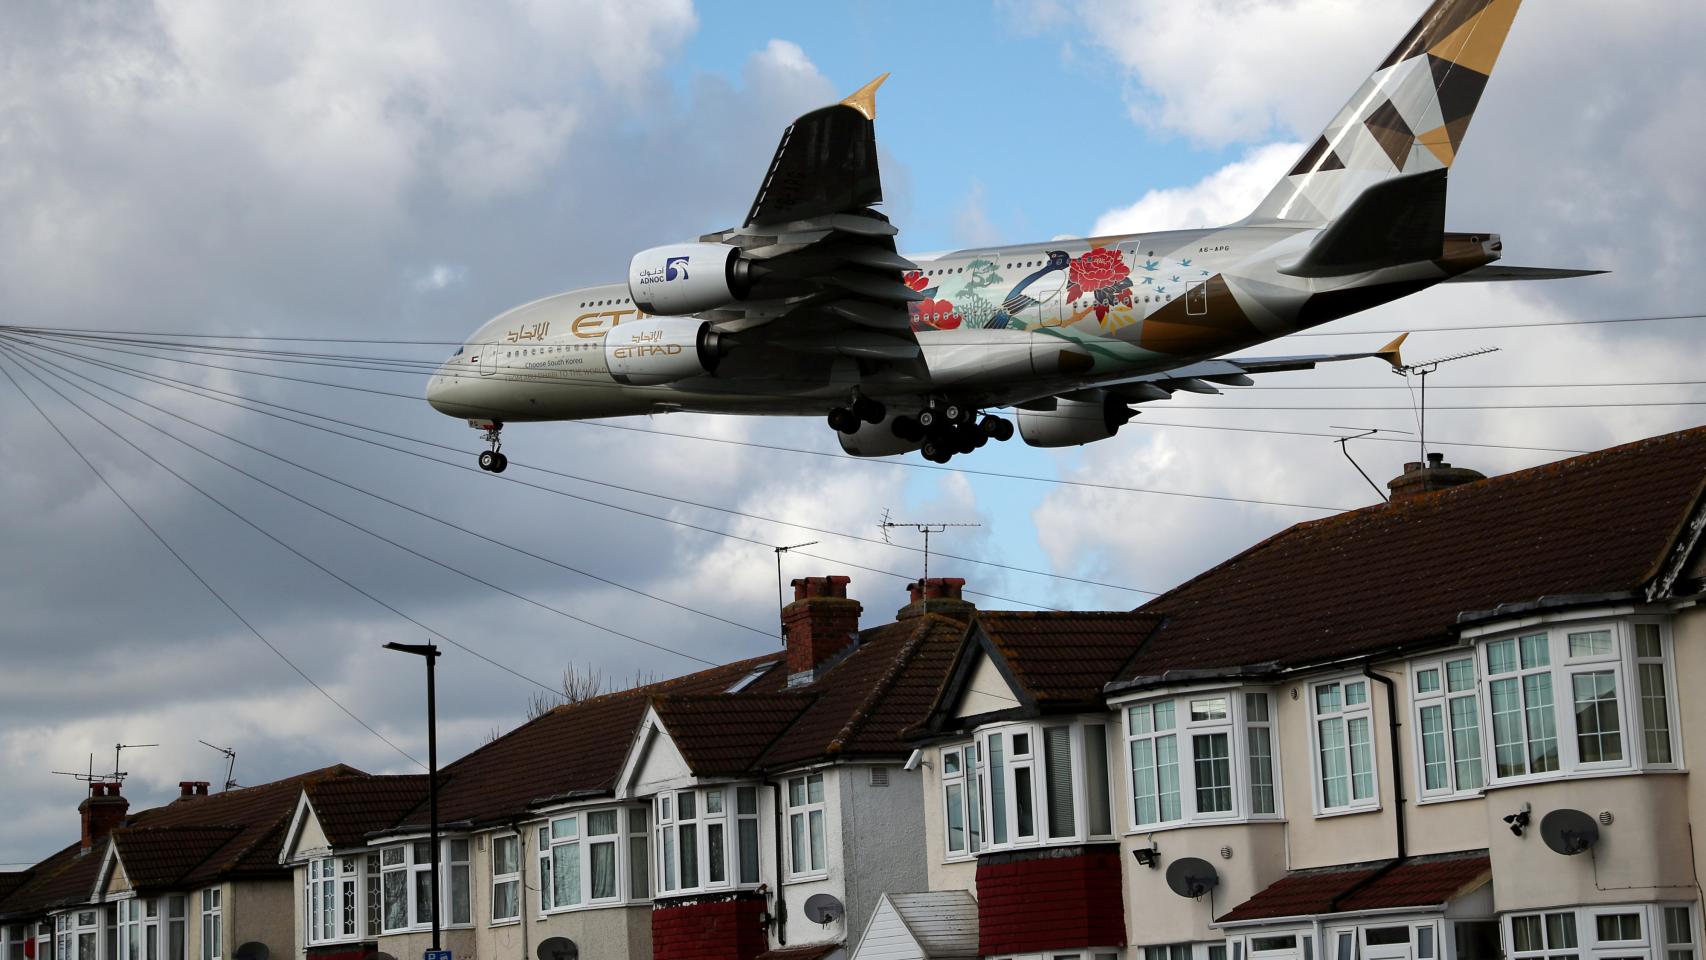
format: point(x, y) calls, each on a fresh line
point(943, 922)
point(1400, 575)
point(724, 734)
point(1066, 657)
point(187, 843)
point(1387, 885)
point(350, 808)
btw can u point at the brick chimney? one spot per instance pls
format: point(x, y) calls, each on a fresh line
point(936, 595)
point(104, 809)
point(1436, 475)
point(192, 788)
point(820, 623)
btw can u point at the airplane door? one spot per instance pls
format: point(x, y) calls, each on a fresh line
point(488, 359)
point(1196, 299)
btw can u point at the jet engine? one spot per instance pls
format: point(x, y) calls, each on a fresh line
point(877, 440)
point(685, 278)
point(660, 350)
point(1074, 422)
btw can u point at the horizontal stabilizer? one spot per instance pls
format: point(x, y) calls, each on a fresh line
point(1397, 221)
point(1498, 273)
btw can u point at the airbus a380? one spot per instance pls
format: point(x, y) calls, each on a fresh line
point(808, 309)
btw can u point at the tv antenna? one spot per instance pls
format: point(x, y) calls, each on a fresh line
point(925, 528)
point(780, 603)
point(230, 762)
point(1422, 370)
point(89, 777)
point(117, 776)
point(1364, 432)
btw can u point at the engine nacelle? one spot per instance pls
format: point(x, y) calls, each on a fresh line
point(660, 350)
point(1074, 422)
point(685, 278)
point(876, 440)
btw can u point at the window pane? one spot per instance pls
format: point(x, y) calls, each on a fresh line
point(667, 854)
point(1327, 698)
point(1211, 756)
point(1535, 651)
point(716, 857)
point(816, 820)
point(1211, 709)
point(1144, 800)
point(603, 867)
point(997, 791)
point(1647, 643)
point(1356, 693)
point(1427, 681)
point(1256, 708)
point(1560, 931)
point(1501, 656)
point(1526, 934)
point(1167, 776)
point(746, 800)
point(396, 904)
point(1677, 928)
point(564, 829)
point(713, 801)
point(1096, 773)
point(797, 842)
point(748, 837)
point(1509, 752)
point(601, 823)
point(1335, 764)
point(505, 905)
point(1057, 761)
point(1655, 713)
point(505, 858)
point(1362, 758)
point(1466, 743)
point(1261, 770)
point(685, 807)
point(689, 857)
point(423, 896)
point(1424, 943)
point(1617, 926)
point(1141, 720)
point(1590, 643)
point(814, 788)
point(956, 818)
point(1460, 675)
point(1164, 715)
point(639, 868)
point(566, 874)
point(1599, 738)
point(1542, 727)
point(1433, 748)
point(461, 910)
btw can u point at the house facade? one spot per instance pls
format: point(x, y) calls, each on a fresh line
point(1451, 727)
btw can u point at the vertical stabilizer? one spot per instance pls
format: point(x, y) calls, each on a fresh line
point(1409, 117)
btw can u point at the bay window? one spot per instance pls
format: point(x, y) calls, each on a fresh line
point(589, 859)
point(807, 855)
point(1448, 727)
point(332, 903)
point(77, 935)
point(405, 874)
point(1344, 746)
point(1642, 931)
point(12, 937)
point(1201, 758)
point(1040, 783)
point(1580, 697)
point(707, 839)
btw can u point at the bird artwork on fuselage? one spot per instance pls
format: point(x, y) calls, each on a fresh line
point(808, 308)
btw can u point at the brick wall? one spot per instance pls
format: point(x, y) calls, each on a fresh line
point(712, 928)
point(1051, 899)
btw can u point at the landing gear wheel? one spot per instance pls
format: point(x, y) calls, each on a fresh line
point(489, 459)
point(844, 420)
point(954, 413)
point(868, 410)
point(907, 428)
point(500, 462)
point(928, 418)
point(966, 440)
point(996, 428)
point(936, 451)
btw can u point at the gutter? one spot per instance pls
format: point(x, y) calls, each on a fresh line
point(781, 903)
point(1556, 602)
point(1193, 675)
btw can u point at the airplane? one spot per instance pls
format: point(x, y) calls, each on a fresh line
point(808, 309)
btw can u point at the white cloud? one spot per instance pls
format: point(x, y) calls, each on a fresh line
point(439, 276)
point(972, 225)
point(1222, 197)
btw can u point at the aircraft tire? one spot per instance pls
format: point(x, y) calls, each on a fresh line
point(935, 451)
point(868, 410)
point(843, 420)
point(954, 413)
point(928, 418)
point(500, 462)
point(906, 428)
point(997, 428)
point(488, 459)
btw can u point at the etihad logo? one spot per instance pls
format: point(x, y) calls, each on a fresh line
point(644, 350)
point(675, 268)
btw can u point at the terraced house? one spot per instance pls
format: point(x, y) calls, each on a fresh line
point(1451, 727)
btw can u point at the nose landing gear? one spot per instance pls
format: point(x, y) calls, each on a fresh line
point(492, 460)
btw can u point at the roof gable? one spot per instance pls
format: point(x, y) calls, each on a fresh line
point(986, 688)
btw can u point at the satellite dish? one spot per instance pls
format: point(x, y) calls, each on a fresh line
point(558, 948)
point(823, 908)
point(253, 950)
point(1191, 877)
point(1568, 832)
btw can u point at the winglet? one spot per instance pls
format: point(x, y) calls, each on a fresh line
point(864, 99)
point(1390, 353)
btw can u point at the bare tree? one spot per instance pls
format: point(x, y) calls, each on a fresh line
point(581, 683)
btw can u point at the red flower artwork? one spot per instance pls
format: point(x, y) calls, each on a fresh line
point(937, 314)
point(916, 280)
point(1099, 268)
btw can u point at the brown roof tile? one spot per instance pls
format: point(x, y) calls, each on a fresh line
point(159, 858)
point(1065, 658)
point(724, 734)
point(1399, 575)
point(1417, 882)
point(350, 808)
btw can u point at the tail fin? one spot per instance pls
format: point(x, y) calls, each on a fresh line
point(1409, 117)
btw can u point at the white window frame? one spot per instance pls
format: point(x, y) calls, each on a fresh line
point(1186, 728)
point(212, 925)
point(1035, 761)
point(1345, 713)
point(455, 855)
point(668, 878)
point(571, 835)
point(801, 810)
point(344, 878)
point(508, 879)
point(958, 763)
point(1627, 666)
point(1443, 696)
point(1187, 950)
point(1656, 941)
point(1241, 944)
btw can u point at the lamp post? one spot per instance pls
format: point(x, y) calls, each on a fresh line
point(429, 652)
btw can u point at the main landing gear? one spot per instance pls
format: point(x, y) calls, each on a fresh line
point(947, 428)
point(492, 459)
point(861, 409)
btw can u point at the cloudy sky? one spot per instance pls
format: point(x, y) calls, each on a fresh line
point(400, 172)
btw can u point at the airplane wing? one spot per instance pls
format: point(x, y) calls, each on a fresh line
point(827, 278)
point(1201, 377)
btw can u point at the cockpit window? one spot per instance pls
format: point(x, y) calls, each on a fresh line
point(458, 352)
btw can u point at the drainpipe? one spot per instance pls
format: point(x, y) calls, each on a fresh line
point(1397, 793)
point(781, 904)
point(521, 887)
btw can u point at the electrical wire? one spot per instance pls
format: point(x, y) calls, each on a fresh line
point(196, 574)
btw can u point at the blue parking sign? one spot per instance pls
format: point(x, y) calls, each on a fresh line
point(436, 955)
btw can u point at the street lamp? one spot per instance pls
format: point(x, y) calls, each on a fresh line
point(429, 652)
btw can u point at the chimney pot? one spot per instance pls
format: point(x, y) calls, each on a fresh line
point(192, 788)
point(1436, 475)
point(936, 595)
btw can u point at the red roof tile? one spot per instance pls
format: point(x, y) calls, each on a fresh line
point(159, 858)
point(1417, 882)
point(350, 808)
point(1067, 657)
point(722, 735)
point(1399, 575)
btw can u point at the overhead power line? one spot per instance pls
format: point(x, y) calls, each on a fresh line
point(197, 575)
